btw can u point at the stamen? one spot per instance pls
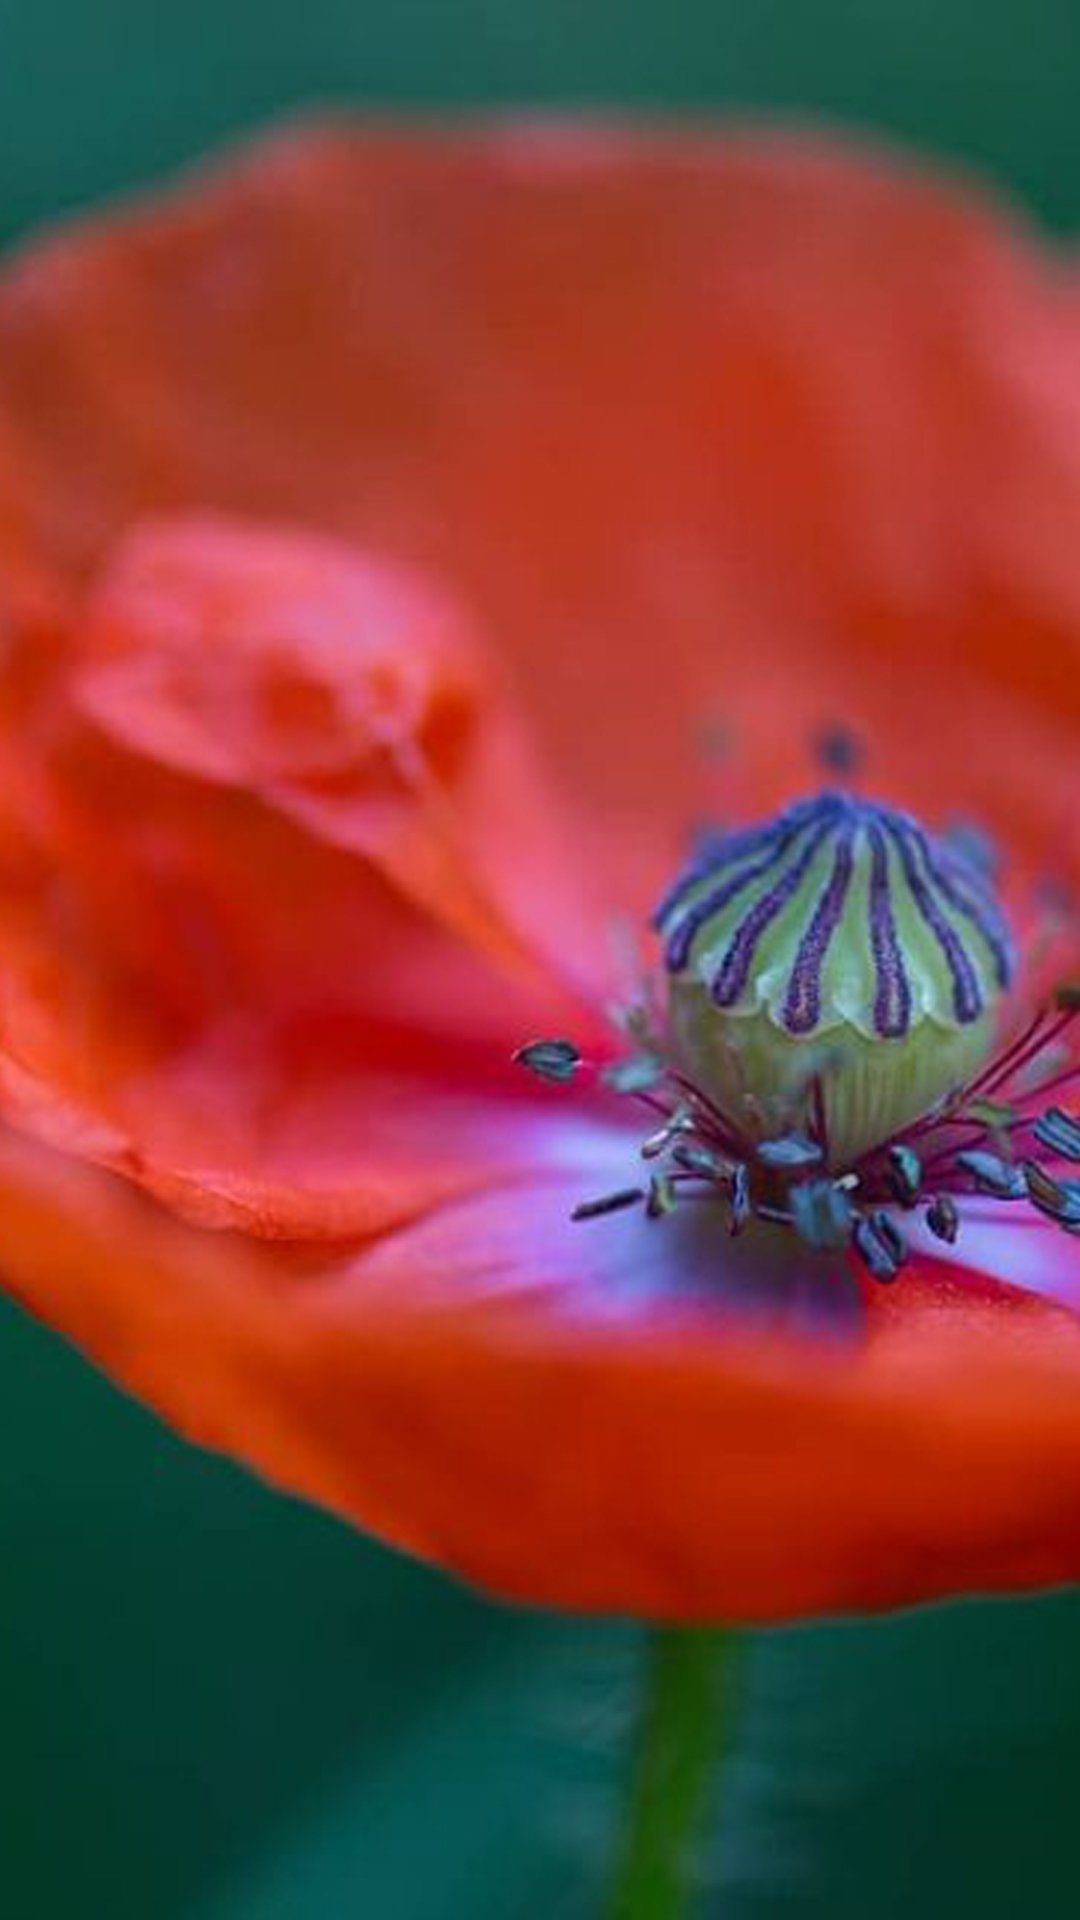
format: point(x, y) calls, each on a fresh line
point(662, 1197)
point(993, 1175)
point(821, 1062)
point(905, 1173)
point(608, 1203)
point(699, 1160)
point(637, 1074)
point(710, 1116)
point(794, 1153)
point(1034, 1040)
point(657, 1143)
point(1060, 1199)
point(880, 1245)
point(822, 1214)
point(1042, 1088)
point(554, 1060)
point(781, 1180)
point(740, 1210)
point(943, 1218)
point(1058, 1133)
point(819, 1120)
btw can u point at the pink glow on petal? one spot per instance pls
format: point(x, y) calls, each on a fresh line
point(1009, 1241)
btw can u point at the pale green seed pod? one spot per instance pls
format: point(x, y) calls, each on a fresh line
point(837, 943)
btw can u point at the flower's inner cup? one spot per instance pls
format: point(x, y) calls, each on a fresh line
point(821, 1051)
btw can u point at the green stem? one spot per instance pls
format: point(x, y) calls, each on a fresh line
point(688, 1688)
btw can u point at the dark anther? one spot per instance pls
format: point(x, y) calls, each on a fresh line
point(556, 1060)
point(638, 1074)
point(661, 1197)
point(1059, 1199)
point(880, 1245)
point(943, 1219)
point(905, 1174)
point(822, 1214)
point(740, 1198)
point(608, 1203)
point(838, 748)
point(794, 1154)
point(700, 1160)
point(1067, 996)
point(1059, 1133)
point(681, 1121)
point(993, 1175)
point(891, 1234)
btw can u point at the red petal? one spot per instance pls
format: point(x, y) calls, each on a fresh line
point(260, 739)
point(349, 695)
point(747, 427)
point(250, 1026)
point(523, 1401)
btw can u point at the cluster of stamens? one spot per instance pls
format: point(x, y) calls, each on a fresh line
point(976, 1142)
point(771, 1155)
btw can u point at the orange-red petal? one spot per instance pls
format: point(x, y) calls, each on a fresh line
point(284, 888)
point(252, 1026)
point(349, 695)
point(743, 429)
point(528, 1403)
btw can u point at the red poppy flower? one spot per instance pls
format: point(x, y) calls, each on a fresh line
point(315, 478)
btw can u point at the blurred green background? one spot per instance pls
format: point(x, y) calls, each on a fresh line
point(95, 94)
point(217, 1705)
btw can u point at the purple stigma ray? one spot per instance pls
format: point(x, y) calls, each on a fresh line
point(721, 855)
point(712, 860)
point(979, 912)
point(802, 1007)
point(967, 999)
point(730, 979)
point(760, 870)
point(777, 842)
point(892, 1000)
point(677, 950)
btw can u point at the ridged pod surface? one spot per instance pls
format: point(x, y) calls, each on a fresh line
point(839, 942)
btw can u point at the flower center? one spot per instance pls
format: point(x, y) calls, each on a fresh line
point(836, 947)
point(821, 1055)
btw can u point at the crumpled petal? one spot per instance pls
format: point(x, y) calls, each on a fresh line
point(347, 694)
point(284, 889)
point(525, 1400)
point(323, 1117)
